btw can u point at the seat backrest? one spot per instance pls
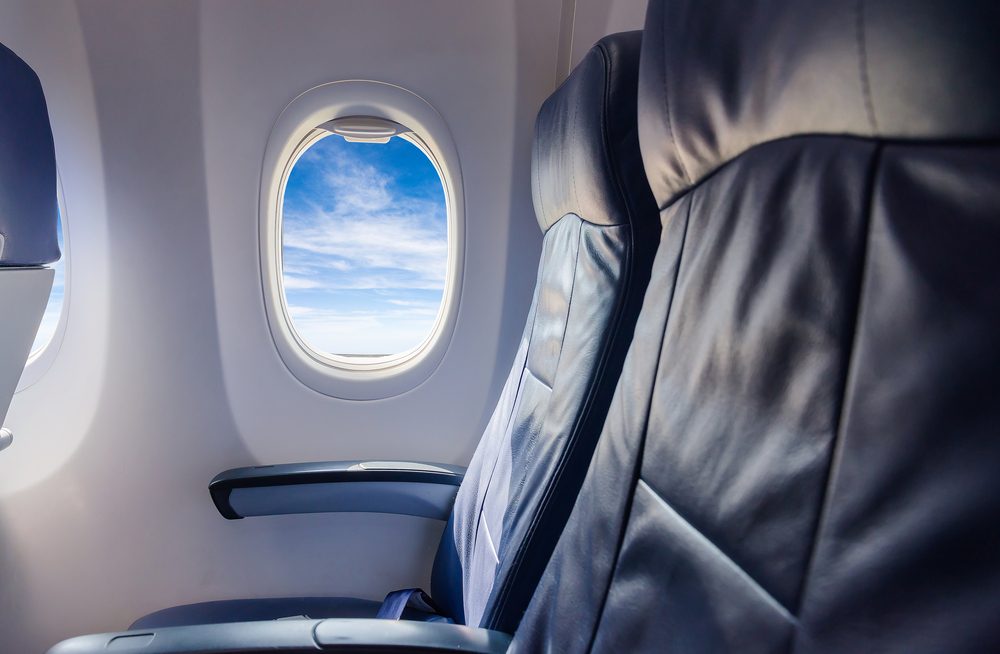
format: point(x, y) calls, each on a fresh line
point(600, 231)
point(802, 454)
point(28, 210)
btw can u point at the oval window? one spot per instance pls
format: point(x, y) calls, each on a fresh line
point(53, 310)
point(364, 244)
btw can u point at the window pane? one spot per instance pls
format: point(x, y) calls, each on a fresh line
point(364, 247)
point(53, 310)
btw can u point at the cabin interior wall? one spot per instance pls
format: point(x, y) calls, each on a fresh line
point(589, 20)
point(167, 374)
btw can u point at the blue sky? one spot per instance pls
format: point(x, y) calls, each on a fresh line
point(50, 319)
point(364, 246)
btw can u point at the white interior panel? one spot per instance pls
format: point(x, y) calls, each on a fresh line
point(23, 293)
point(595, 18)
point(167, 373)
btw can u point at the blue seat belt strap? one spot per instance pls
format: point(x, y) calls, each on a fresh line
point(396, 602)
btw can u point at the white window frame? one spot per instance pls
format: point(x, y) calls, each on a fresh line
point(295, 130)
point(39, 362)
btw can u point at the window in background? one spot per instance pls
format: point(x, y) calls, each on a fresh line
point(53, 310)
point(364, 253)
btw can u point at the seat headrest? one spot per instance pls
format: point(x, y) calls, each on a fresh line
point(718, 78)
point(586, 159)
point(28, 200)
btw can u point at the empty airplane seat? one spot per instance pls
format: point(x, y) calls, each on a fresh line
point(600, 223)
point(28, 215)
point(601, 229)
point(802, 452)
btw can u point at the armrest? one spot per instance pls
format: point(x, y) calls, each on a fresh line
point(401, 487)
point(293, 636)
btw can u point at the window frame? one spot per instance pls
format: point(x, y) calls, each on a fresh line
point(40, 361)
point(356, 362)
point(298, 128)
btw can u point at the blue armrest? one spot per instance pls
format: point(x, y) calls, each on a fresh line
point(401, 487)
point(293, 636)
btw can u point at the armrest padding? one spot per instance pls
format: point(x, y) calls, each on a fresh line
point(403, 487)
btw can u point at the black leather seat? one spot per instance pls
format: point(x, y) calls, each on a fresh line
point(802, 454)
point(600, 223)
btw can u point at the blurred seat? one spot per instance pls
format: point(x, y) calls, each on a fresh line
point(28, 215)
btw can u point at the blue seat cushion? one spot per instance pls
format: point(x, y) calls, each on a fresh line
point(271, 608)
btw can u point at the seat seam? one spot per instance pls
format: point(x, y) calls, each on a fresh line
point(537, 378)
point(583, 417)
point(768, 596)
point(900, 141)
point(515, 501)
point(481, 499)
point(489, 541)
point(569, 302)
point(607, 149)
point(627, 283)
point(825, 499)
point(530, 448)
point(637, 467)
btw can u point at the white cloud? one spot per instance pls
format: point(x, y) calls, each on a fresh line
point(362, 332)
point(359, 187)
point(292, 282)
point(387, 241)
point(364, 264)
point(412, 303)
point(393, 241)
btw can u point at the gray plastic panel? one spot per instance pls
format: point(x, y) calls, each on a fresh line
point(23, 295)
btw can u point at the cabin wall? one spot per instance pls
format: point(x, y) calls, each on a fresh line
point(54, 525)
point(167, 373)
point(589, 20)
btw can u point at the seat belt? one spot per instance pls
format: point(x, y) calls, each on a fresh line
point(398, 600)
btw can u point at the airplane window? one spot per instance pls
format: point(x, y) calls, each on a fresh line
point(364, 250)
point(53, 310)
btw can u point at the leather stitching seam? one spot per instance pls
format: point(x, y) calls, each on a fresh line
point(534, 437)
point(837, 445)
point(769, 599)
point(637, 468)
point(607, 347)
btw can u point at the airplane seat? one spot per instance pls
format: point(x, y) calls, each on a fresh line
point(802, 452)
point(28, 215)
point(600, 227)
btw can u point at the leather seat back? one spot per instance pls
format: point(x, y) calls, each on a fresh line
point(600, 230)
point(802, 451)
point(28, 210)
